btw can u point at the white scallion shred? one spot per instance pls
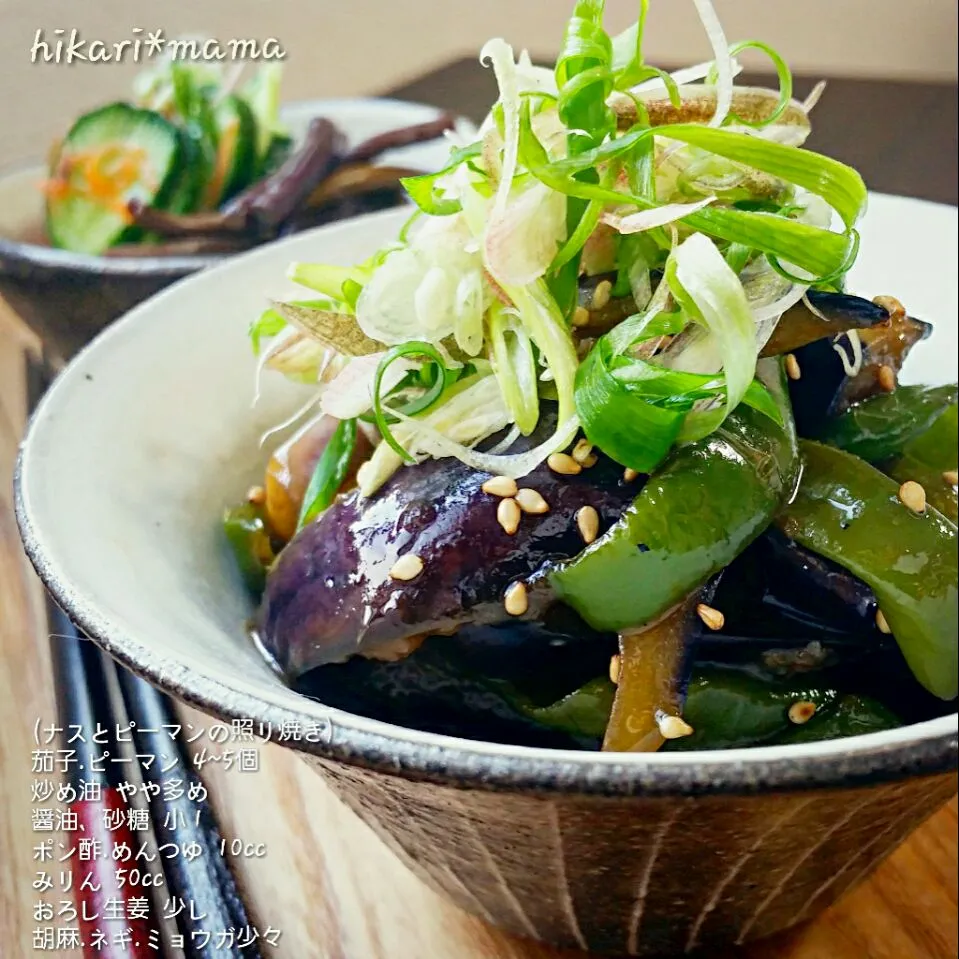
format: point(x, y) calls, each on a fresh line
point(499, 54)
point(291, 420)
point(515, 465)
point(852, 365)
point(814, 96)
point(724, 63)
point(473, 275)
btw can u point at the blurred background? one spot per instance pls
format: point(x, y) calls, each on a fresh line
point(369, 46)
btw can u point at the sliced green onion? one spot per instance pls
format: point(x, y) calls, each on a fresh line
point(783, 74)
point(540, 315)
point(326, 279)
point(381, 414)
point(584, 76)
point(422, 189)
point(836, 277)
point(839, 185)
point(635, 433)
point(404, 234)
point(811, 248)
point(588, 221)
point(635, 410)
point(515, 367)
point(711, 295)
point(330, 472)
point(270, 322)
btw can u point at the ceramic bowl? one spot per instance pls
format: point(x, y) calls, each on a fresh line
point(67, 298)
point(151, 430)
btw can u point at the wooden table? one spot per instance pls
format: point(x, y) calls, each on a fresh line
point(327, 882)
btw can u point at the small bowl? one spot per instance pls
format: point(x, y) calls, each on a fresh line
point(121, 480)
point(67, 298)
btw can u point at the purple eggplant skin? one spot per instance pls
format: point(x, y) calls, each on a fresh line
point(329, 596)
point(835, 313)
point(824, 390)
point(778, 592)
point(474, 684)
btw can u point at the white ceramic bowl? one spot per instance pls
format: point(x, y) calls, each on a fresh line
point(151, 431)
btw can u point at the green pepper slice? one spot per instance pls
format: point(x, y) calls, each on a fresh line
point(849, 512)
point(692, 518)
point(731, 707)
point(881, 426)
point(584, 711)
point(851, 716)
point(927, 459)
point(247, 534)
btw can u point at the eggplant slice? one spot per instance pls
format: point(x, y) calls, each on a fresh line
point(825, 389)
point(330, 595)
point(483, 682)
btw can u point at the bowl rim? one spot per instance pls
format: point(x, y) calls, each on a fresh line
point(40, 256)
point(920, 749)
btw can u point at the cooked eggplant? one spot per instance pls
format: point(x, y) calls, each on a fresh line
point(492, 682)
point(832, 314)
point(331, 594)
point(824, 388)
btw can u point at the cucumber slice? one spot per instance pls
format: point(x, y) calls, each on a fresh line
point(183, 192)
point(110, 156)
point(279, 149)
point(234, 165)
point(262, 94)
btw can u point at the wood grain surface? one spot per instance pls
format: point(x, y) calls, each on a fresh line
point(326, 881)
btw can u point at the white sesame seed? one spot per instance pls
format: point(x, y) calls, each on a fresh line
point(580, 316)
point(531, 502)
point(951, 477)
point(256, 495)
point(615, 667)
point(601, 294)
point(564, 464)
point(891, 305)
point(713, 618)
point(912, 495)
point(516, 600)
point(629, 475)
point(801, 712)
point(672, 727)
point(508, 515)
point(887, 379)
point(583, 453)
point(881, 624)
point(587, 519)
point(407, 567)
point(500, 486)
point(792, 367)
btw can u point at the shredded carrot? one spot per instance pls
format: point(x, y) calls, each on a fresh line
point(104, 175)
point(217, 179)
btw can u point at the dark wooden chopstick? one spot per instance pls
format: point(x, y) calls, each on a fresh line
point(204, 883)
point(106, 898)
point(182, 816)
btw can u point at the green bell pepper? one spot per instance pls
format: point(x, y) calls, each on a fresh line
point(584, 711)
point(851, 716)
point(249, 539)
point(849, 512)
point(730, 707)
point(692, 518)
point(928, 457)
point(881, 426)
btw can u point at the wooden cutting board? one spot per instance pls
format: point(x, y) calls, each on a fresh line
point(326, 882)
